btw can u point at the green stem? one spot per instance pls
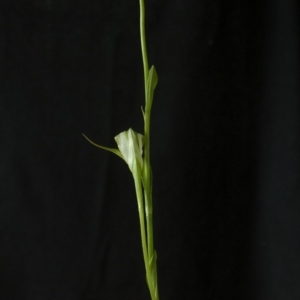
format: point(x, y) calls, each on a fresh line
point(147, 179)
point(140, 202)
point(147, 173)
point(143, 42)
point(139, 195)
point(147, 169)
point(148, 211)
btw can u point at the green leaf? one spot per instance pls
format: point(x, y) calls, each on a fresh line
point(151, 84)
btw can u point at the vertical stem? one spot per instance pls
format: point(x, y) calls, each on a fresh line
point(143, 42)
point(139, 195)
point(149, 222)
point(140, 201)
point(147, 173)
point(147, 168)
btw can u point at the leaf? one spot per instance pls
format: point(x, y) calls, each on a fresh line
point(151, 84)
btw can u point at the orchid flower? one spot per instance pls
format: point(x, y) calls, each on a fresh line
point(134, 149)
point(130, 144)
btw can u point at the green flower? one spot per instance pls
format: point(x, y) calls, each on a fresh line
point(130, 144)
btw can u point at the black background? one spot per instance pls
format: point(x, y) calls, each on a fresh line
point(225, 149)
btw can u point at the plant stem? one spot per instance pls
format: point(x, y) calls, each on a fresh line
point(140, 202)
point(149, 254)
point(149, 273)
point(143, 42)
point(147, 168)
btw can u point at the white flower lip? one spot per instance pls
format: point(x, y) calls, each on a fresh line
point(130, 144)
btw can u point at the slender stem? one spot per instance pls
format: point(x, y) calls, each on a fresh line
point(143, 42)
point(147, 176)
point(147, 169)
point(149, 219)
point(147, 173)
point(139, 196)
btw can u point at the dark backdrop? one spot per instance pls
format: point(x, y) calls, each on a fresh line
point(225, 149)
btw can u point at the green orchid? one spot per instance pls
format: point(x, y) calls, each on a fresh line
point(134, 149)
point(130, 144)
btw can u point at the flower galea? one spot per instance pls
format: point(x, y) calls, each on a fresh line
point(130, 144)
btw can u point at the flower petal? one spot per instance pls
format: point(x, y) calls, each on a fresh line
point(130, 144)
